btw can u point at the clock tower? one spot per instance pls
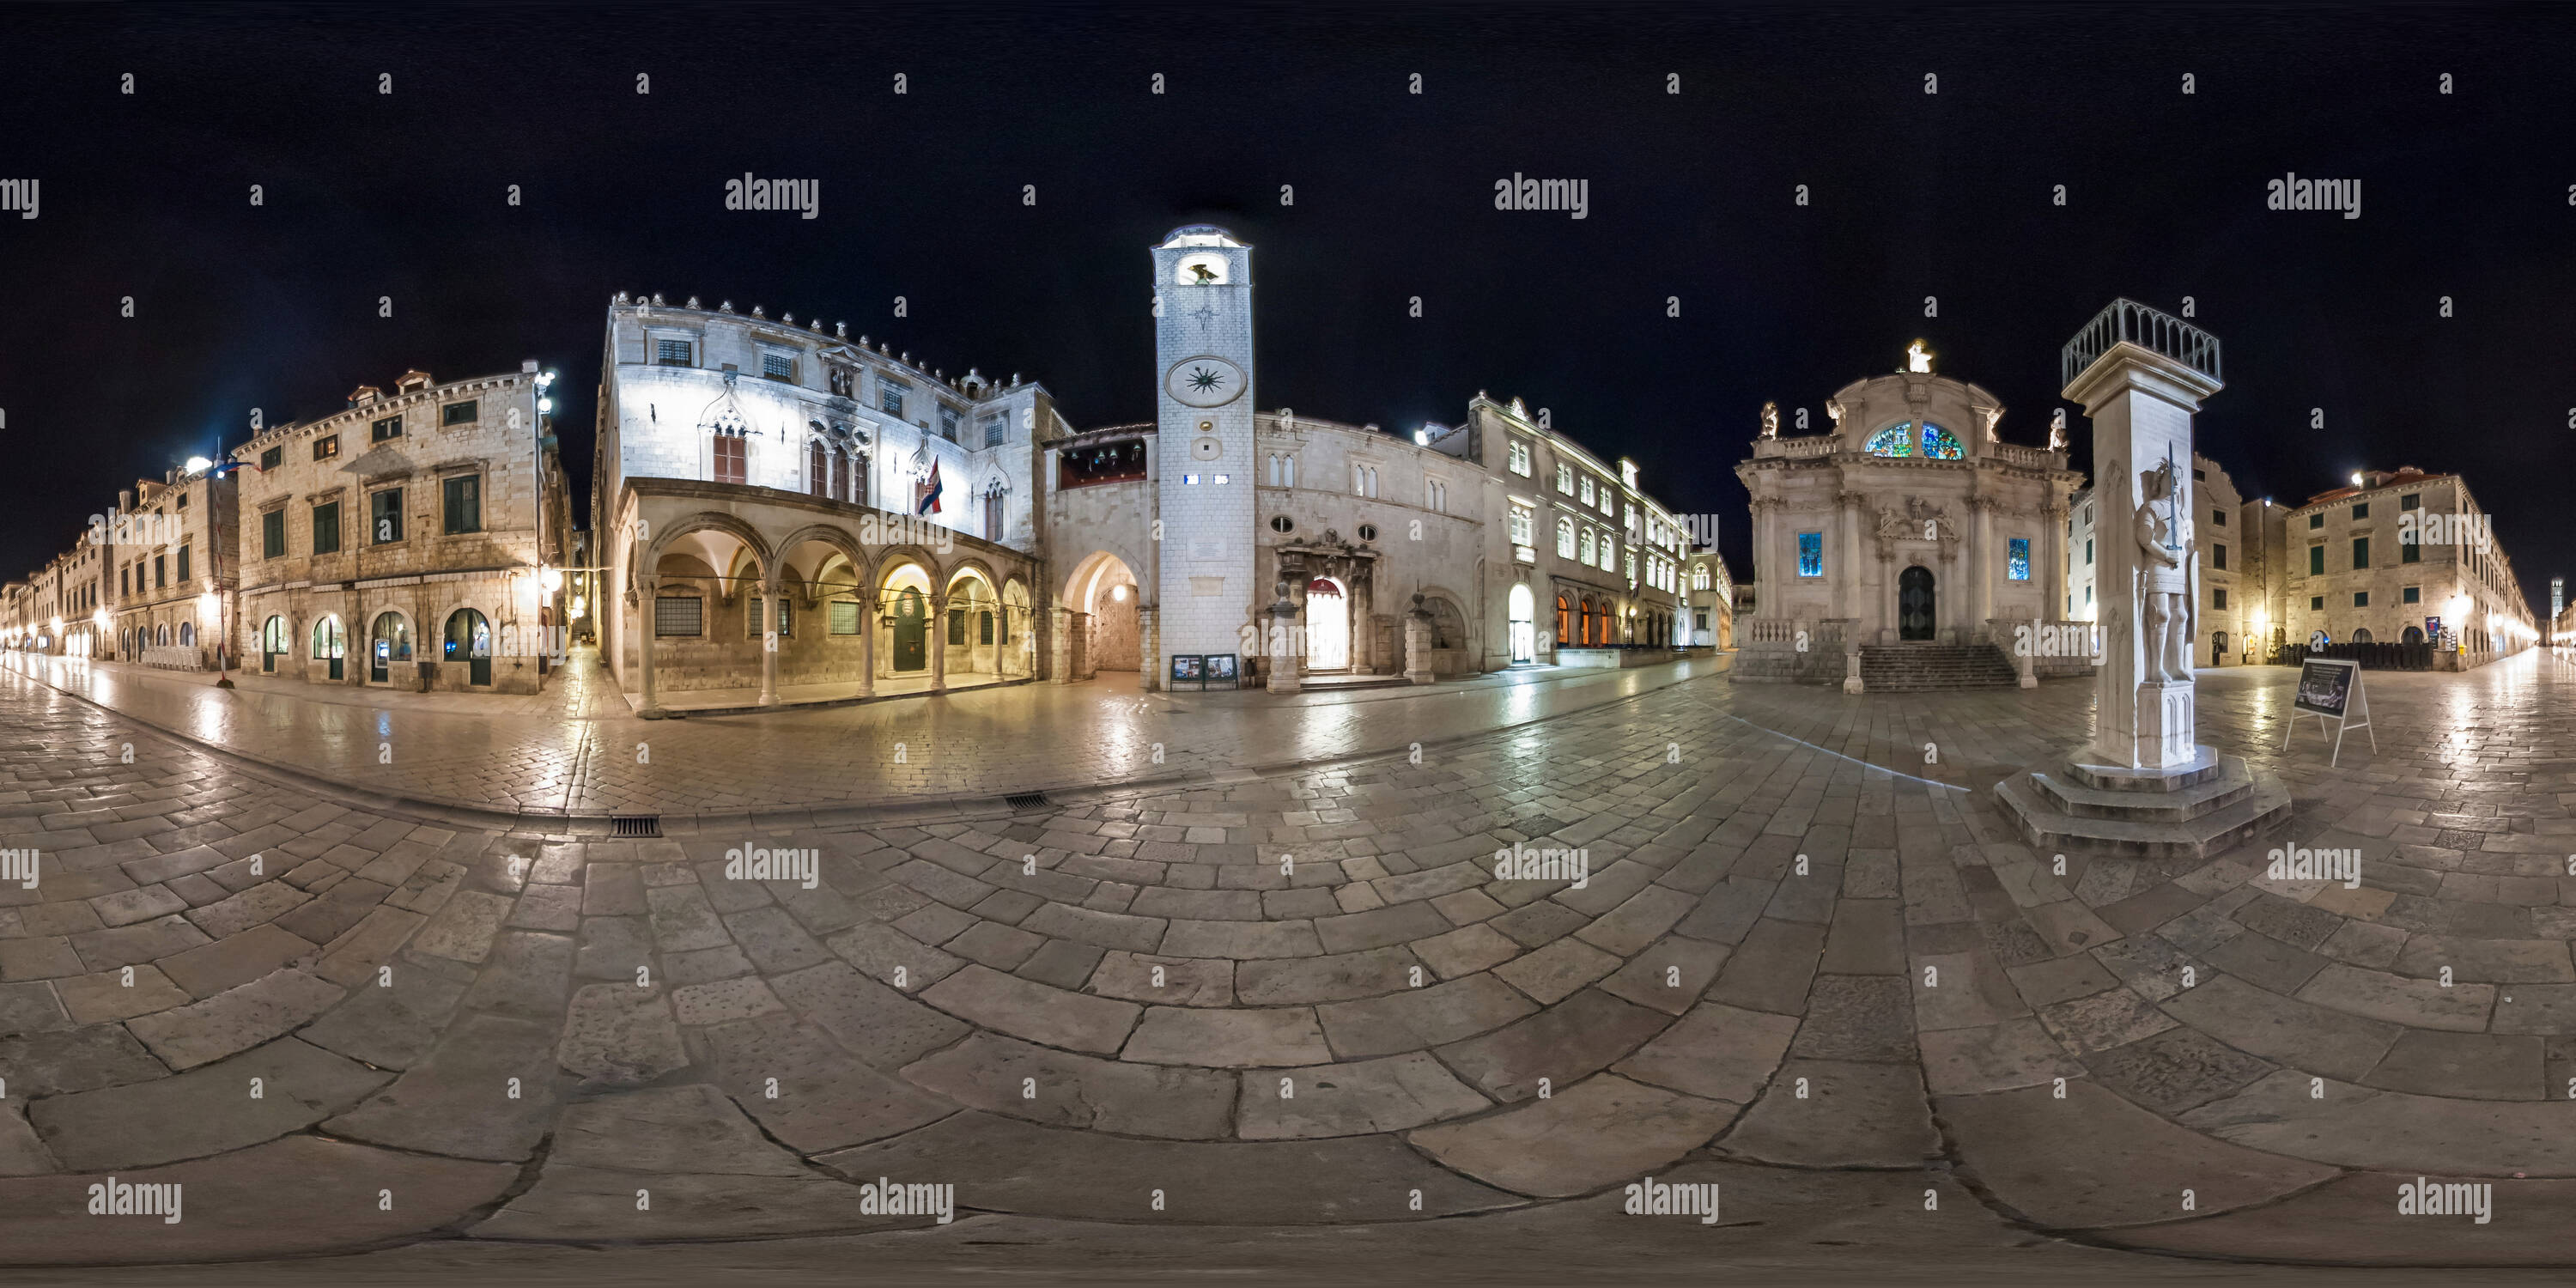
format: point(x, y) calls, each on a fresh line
point(1203, 449)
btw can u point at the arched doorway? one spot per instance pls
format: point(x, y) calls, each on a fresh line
point(330, 645)
point(1328, 626)
point(2361, 635)
point(388, 645)
point(272, 644)
point(2414, 635)
point(469, 640)
point(911, 630)
point(1564, 625)
point(1104, 591)
point(1914, 603)
point(1524, 627)
point(2218, 649)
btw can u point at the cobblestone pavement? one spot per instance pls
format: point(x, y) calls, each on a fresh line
point(577, 749)
point(1806, 962)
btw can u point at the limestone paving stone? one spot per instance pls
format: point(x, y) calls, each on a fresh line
point(1185, 981)
point(2172, 1071)
point(235, 960)
point(1771, 968)
point(722, 1001)
point(618, 1033)
point(456, 1102)
point(61, 1061)
point(1000, 1164)
point(1580, 1036)
point(528, 974)
point(998, 1075)
point(232, 1204)
point(1035, 1012)
point(208, 1110)
point(877, 1023)
point(237, 1019)
point(1600, 1130)
point(1394, 1093)
point(465, 928)
point(2483, 1066)
point(1333, 978)
point(2394, 999)
point(892, 956)
point(1852, 1115)
point(390, 1025)
point(109, 995)
point(2054, 1175)
point(1715, 1052)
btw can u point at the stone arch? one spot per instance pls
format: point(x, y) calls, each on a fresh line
point(833, 536)
point(1082, 576)
point(703, 521)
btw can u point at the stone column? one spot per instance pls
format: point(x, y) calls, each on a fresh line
point(939, 643)
point(2141, 403)
point(1060, 645)
point(769, 606)
point(867, 641)
point(652, 708)
point(1981, 554)
point(1149, 649)
point(1286, 674)
point(2053, 579)
point(1845, 555)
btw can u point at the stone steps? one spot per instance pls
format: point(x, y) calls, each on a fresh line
point(2190, 822)
point(1922, 668)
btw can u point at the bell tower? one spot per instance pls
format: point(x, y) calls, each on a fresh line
point(1203, 449)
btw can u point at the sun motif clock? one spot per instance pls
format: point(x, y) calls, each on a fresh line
point(1204, 382)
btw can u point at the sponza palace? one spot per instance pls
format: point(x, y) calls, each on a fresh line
point(747, 464)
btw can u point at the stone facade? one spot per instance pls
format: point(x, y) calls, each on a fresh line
point(2352, 575)
point(171, 545)
point(396, 543)
point(1911, 520)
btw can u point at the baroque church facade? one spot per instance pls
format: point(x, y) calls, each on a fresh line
point(1910, 521)
point(786, 513)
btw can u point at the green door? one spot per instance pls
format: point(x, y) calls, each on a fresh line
point(469, 640)
point(911, 633)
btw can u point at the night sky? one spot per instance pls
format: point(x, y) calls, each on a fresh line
point(2465, 195)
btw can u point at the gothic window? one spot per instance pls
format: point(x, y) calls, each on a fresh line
point(1940, 444)
point(1895, 440)
point(996, 513)
point(2017, 563)
point(818, 470)
point(1811, 554)
point(732, 461)
point(840, 485)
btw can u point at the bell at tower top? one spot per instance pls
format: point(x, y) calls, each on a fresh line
point(1200, 235)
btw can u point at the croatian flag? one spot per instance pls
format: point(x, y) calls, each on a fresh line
point(925, 493)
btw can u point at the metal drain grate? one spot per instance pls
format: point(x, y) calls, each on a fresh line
point(635, 825)
point(1026, 800)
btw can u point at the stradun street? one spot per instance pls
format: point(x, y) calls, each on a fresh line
point(1801, 956)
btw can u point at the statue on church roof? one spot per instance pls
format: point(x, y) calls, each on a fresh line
point(2057, 431)
point(1918, 360)
point(1770, 420)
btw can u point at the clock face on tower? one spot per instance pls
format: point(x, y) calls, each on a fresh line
point(1204, 382)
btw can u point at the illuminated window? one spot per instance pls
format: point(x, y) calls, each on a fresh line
point(1811, 554)
point(1940, 444)
point(671, 353)
point(1587, 555)
point(1565, 538)
point(2017, 562)
point(778, 366)
point(1895, 440)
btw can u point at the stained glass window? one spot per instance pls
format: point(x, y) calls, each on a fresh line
point(1895, 440)
point(2017, 566)
point(1811, 554)
point(1940, 444)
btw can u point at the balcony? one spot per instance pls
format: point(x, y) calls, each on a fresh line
point(2125, 321)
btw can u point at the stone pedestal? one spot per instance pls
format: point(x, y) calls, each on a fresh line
point(2199, 808)
point(1417, 644)
point(2144, 785)
point(1286, 675)
point(1851, 671)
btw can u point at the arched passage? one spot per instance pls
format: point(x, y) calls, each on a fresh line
point(1104, 592)
point(1524, 627)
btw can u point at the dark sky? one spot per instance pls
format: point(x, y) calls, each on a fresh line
point(2465, 195)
